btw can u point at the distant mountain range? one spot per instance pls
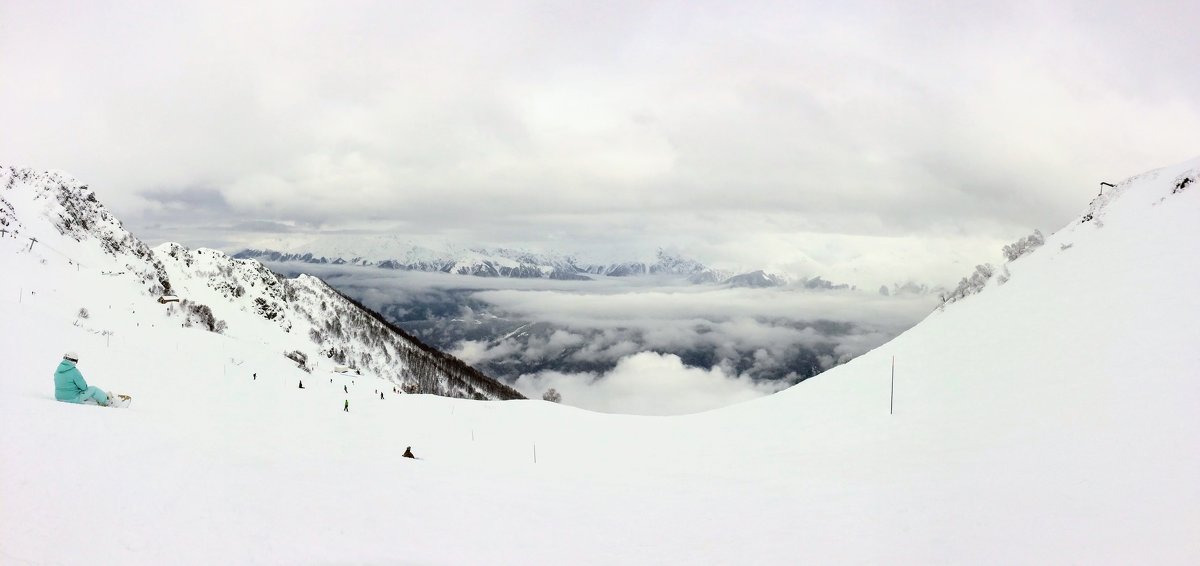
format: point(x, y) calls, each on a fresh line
point(505, 262)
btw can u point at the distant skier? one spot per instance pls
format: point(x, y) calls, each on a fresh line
point(69, 385)
point(381, 395)
point(345, 390)
point(408, 453)
point(301, 384)
point(346, 407)
point(256, 377)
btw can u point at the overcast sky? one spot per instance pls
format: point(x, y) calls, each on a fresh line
point(815, 135)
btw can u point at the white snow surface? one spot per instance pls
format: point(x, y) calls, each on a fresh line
point(1051, 419)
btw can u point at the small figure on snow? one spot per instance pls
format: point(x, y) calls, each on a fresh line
point(346, 407)
point(301, 384)
point(344, 389)
point(408, 453)
point(381, 395)
point(69, 385)
point(256, 376)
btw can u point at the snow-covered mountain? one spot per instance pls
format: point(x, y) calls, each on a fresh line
point(1046, 415)
point(664, 263)
point(480, 262)
point(502, 262)
point(51, 218)
point(757, 279)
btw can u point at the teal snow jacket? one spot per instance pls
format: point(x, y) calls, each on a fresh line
point(68, 382)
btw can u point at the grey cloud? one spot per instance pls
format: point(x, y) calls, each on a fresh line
point(700, 124)
point(194, 199)
point(263, 226)
point(730, 307)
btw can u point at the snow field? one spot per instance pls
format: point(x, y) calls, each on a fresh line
point(1048, 420)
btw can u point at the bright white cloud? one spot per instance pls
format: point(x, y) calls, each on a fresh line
point(649, 383)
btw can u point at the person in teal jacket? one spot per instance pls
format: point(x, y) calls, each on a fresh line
point(69, 385)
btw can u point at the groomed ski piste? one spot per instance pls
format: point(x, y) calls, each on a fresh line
point(1050, 419)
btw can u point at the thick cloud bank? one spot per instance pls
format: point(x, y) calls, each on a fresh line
point(783, 134)
point(591, 340)
point(648, 383)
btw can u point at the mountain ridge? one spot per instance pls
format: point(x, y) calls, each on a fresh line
point(504, 262)
point(214, 288)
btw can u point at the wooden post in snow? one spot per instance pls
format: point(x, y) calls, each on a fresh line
point(892, 398)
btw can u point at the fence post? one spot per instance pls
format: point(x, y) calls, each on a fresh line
point(892, 397)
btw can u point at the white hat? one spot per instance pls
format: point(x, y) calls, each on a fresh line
point(71, 356)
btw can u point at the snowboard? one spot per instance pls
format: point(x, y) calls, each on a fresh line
point(114, 401)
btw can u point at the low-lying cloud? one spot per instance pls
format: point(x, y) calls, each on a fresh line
point(649, 383)
point(594, 341)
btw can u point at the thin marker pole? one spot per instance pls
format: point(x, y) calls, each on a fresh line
point(535, 453)
point(892, 399)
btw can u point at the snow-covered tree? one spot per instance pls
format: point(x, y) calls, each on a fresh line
point(1024, 245)
point(552, 395)
point(970, 285)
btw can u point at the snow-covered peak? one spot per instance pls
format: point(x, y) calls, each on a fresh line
point(758, 279)
point(57, 216)
point(51, 220)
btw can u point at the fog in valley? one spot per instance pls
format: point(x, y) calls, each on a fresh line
point(648, 345)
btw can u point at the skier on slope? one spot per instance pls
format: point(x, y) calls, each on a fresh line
point(69, 385)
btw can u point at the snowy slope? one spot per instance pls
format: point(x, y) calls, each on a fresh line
point(239, 298)
point(1049, 419)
